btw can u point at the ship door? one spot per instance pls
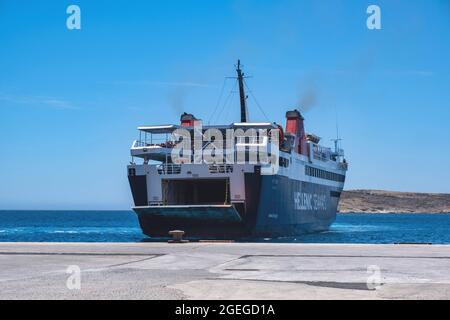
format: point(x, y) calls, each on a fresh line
point(196, 192)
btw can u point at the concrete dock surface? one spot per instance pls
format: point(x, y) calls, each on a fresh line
point(238, 271)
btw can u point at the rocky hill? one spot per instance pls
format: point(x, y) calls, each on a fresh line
point(377, 201)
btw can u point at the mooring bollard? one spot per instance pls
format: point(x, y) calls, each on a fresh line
point(177, 236)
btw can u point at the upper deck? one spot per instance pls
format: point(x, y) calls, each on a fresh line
point(157, 142)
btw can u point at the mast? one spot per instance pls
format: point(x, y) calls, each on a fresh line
point(243, 97)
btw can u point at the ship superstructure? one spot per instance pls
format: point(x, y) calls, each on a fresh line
point(258, 179)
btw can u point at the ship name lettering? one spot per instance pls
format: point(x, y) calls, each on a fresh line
point(308, 201)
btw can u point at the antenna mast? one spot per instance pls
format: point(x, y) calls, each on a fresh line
point(243, 97)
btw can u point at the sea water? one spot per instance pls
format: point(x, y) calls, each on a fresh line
point(123, 226)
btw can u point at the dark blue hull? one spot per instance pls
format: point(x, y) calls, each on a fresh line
point(275, 206)
point(289, 207)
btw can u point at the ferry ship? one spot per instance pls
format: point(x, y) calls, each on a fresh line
point(233, 199)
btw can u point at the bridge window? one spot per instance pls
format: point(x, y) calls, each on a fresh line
point(323, 174)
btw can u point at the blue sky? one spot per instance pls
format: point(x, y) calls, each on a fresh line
point(70, 101)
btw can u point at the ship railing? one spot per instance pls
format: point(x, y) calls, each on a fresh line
point(223, 168)
point(163, 144)
point(321, 156)
point(169, 169)
point(340, 152)
point(247, 141)
point(321, 153)
point(251, 140)
point(138, 144)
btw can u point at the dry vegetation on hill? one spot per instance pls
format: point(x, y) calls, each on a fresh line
point(376, 201)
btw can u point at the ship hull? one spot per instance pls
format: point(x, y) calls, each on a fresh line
point(276, 206)
point(218, 222)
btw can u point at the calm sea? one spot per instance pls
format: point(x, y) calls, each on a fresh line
point(122, 226)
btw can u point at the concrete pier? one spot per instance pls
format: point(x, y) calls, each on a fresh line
point(223, 271)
